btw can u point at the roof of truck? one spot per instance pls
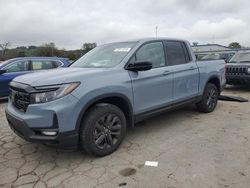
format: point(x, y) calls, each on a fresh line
point(147, 40)
point(159, 38)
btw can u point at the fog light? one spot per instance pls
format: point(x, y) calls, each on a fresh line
point(49, 133)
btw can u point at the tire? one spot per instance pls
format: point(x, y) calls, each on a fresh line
point(102, 130)
point(209, 99)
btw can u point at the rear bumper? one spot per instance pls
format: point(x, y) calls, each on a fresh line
point(63, 140)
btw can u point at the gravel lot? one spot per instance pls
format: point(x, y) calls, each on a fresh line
point(193, 150)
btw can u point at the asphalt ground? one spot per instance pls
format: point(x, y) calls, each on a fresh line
point(192, 150)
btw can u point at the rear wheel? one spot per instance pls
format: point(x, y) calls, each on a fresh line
point(209, 99)
point(103, 129)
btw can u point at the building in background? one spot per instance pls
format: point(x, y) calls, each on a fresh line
point(214, 51)
point(211, 48)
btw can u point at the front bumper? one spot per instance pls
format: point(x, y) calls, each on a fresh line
point(65, 140)
point(238, 79)
point(59, 115)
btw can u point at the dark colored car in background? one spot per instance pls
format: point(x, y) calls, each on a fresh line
point(23, 65)
point(238, 69)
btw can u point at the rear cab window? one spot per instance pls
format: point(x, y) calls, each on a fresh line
point(177, 53)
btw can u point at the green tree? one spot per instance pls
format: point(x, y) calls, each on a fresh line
point(47, 49)
point(21, 54)
point(88, 46)
point(234, 45)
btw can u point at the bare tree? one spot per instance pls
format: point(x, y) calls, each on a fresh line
point(4, 47)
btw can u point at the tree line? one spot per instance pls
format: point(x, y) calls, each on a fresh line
point(48, 50)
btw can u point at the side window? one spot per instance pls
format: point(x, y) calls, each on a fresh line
point(18, 66)
point(153, 52)
point(41, 65)
point(176, 53)
point(187, 54)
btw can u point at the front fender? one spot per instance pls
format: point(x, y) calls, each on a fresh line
point(88, 100)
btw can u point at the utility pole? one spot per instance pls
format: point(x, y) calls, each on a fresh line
point(52, 51)
point(156, 30)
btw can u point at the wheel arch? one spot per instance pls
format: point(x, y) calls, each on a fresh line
point(216, 81)
point(117, 99)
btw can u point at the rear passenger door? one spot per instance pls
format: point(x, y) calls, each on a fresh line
point(152, 89)
point(185, 71)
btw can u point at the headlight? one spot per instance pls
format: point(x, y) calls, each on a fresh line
point(248, 70)
point(50, 93)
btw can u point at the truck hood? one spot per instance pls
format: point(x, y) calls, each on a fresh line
point(56, 76)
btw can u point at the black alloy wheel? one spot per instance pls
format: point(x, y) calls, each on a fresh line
point(209, 99)
point(107, 131)
point(212, 97)
point(103, 129)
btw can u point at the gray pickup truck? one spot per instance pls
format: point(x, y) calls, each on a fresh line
point(93, 102)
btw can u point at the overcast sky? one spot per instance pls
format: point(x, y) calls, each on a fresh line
point(70, 23)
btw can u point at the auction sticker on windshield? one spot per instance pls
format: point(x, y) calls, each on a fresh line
point(122, 49)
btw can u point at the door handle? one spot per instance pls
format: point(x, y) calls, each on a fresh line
point(192, 68)
point(166, 73)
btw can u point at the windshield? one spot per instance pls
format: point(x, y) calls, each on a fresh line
point(108, 55)
point(241, 58)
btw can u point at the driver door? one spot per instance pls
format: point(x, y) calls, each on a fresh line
point(152, 89)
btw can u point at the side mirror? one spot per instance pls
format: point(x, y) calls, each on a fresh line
point(140, 66)
point(2, 71)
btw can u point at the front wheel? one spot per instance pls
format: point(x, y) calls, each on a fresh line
point(103, 129)
point(209, 99)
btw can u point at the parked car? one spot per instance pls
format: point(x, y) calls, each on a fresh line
point(217, 56)
point(238, 69)
point(23, 65)
point(109, 89)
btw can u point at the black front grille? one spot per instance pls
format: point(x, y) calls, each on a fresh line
point(20, 100)
point(236, 70)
